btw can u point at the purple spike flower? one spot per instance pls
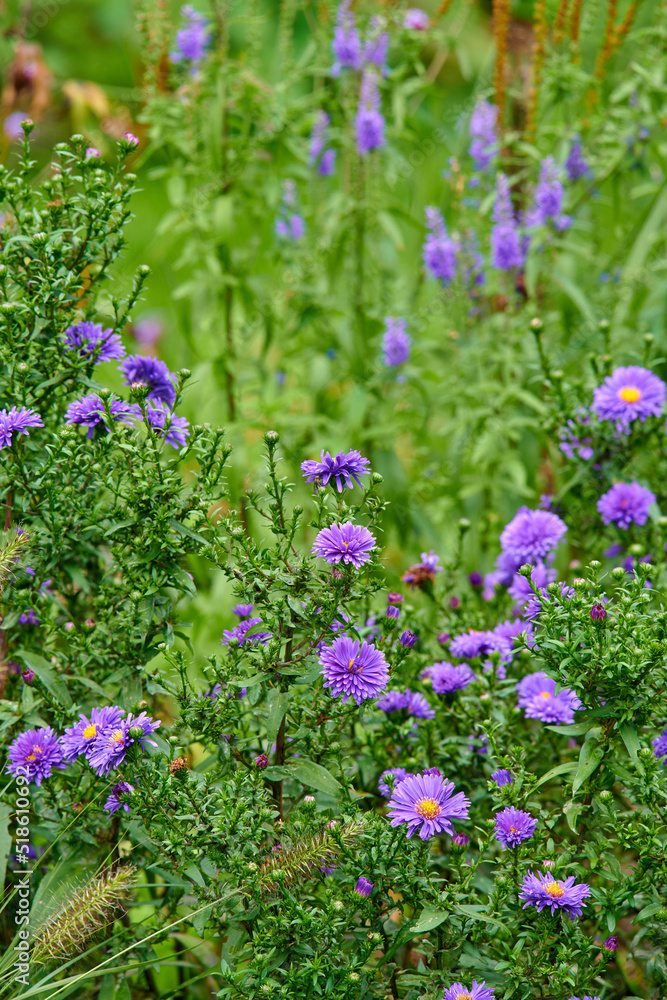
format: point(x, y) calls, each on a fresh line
point(395, 342)
point(369, 123)
point(354, 668)
point(344, 468)
point(151, 372)
point(629, 394)
point(445, 677)
point(327, 164)
point(90, 412)
point(35, 754)
point(375, 49)
point(548, 198)
point(575, 165)
point(398, 774)
point(507, 250)
point(513, 826)
point(483, 133)
point(425, 802)
point(346, 43)
point(17, 420)
point(478, 991)
point(79, 739)
point(440, 251)
point(191, 41)
point(348, 543)
point(541, 890)
point(625, 504)
point(114, 802)
point(502, 777)
point(93, 343)
point(318, 137)
point(537, 695)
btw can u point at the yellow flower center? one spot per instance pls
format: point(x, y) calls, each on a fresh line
point(630, 394)
point(117, 736)
point(428, 808)
point(463, 996)
point(544, 694)
point(354, 669)
point(35, 753)
point(90, 731)
point(555, 890)
point(513, 829)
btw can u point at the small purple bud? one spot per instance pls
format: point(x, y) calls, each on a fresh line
point(261, 760)
point(393, 612)
point(476, 579)
point(28, 675)
point(91, 151)
point(408, 638)
point(444, 638)
point(454, 603)
point(611, 944)
point(598, 613)
point(363, 887)
point(547, 863)
point(460, 840)
point(131, 138)
point(394, 598)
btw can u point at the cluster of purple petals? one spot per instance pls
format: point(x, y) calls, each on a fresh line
point(291, 228)
point(447, 677)
point(164, 423)
point(152, 372)
point(574, 442)
point(242, 633)
point(416, 19)
point(327, 162)
point(548, 198)
point(114, 802)
point(110, 746)
point(513, 826)
point(395, 342)
point(412, 702)
point(92, 342)
point(17, 420)
point(90, 412)
point(369, 123)
point(585, 998)
point(625, 504)
point(440, 251)
point(541, 575)
point(354, 669)
point(364, 886)
point(344, 468)
point(537, 696)
point(478, 991)
point(508, 250)
point(35, 754)
point(191, 41)
point(531, 536)
point(243, 610)
point(536, 605)
point(484, 143)
point(398, 774)
point(628, 394)
point(429, 564)
point(660, 745)
point(348, 543)
point(502, 777)
point(425, 802)
point(377, 46)
point(79, 738)
point(575, 165)
point(346, 43)
point(543, 891)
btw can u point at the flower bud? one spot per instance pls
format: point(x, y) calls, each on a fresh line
point(598, 612)
point(135, 732)
point(28, 675)
point(272, 437)
point(618, 573)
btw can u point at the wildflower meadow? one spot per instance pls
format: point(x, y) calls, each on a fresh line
point(333, 464)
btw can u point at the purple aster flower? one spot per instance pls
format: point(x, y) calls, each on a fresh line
point(17, 420)
point(505, 635)
point(627, 394)
point(471, 644)
point(502, 777)
point(369, 123)
point(29, 617)
point(95, 154)
point(327, 164)
point(154, 374)
point(241, 632)
point(349, 543)
point(575, 165)
point(79, 739)
point(478, 991)
point(431, 561)
point(131, 138)
point(191, 41)
point(345, 467)
point(12, 125)
point(393, 612)
point(416, 19)
point(483, 133)
point(415, 704)
point(611, 944)
point(243, 610)
point(440, 251)
point(392, 701)
point(532, 535)
point(544, 890)
point(536, 605)
point(520, 588)
point(395, 342)
point(537, 695)
point(445, 677)
point(408, 638)
point(426, 801)
point(548, 197)
point(514, 826)
point(625, 504)
point(36, 752)
point(113, 803)
point(660, 745)
point(147, 331)
point(398, 774)
point(111, 745)
point(507, 249)
point(28, 676)
point(346, 43)
point(354, 668)
point(261, 761)
point(164, 423)
point(394, 598)
point(93, 343)
point(364, 887)
point(90, 412)
point(318, 136)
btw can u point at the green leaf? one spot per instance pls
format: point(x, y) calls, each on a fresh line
point(429, 918)
point(475, 913)
point(589, 760)
point(107, 989)
point(277, 705)
point(567, 768)
point(195, 875)
point(316, 776)
point(574, 729)
point(648, 911)
point(47, 676)
point(629, 736)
